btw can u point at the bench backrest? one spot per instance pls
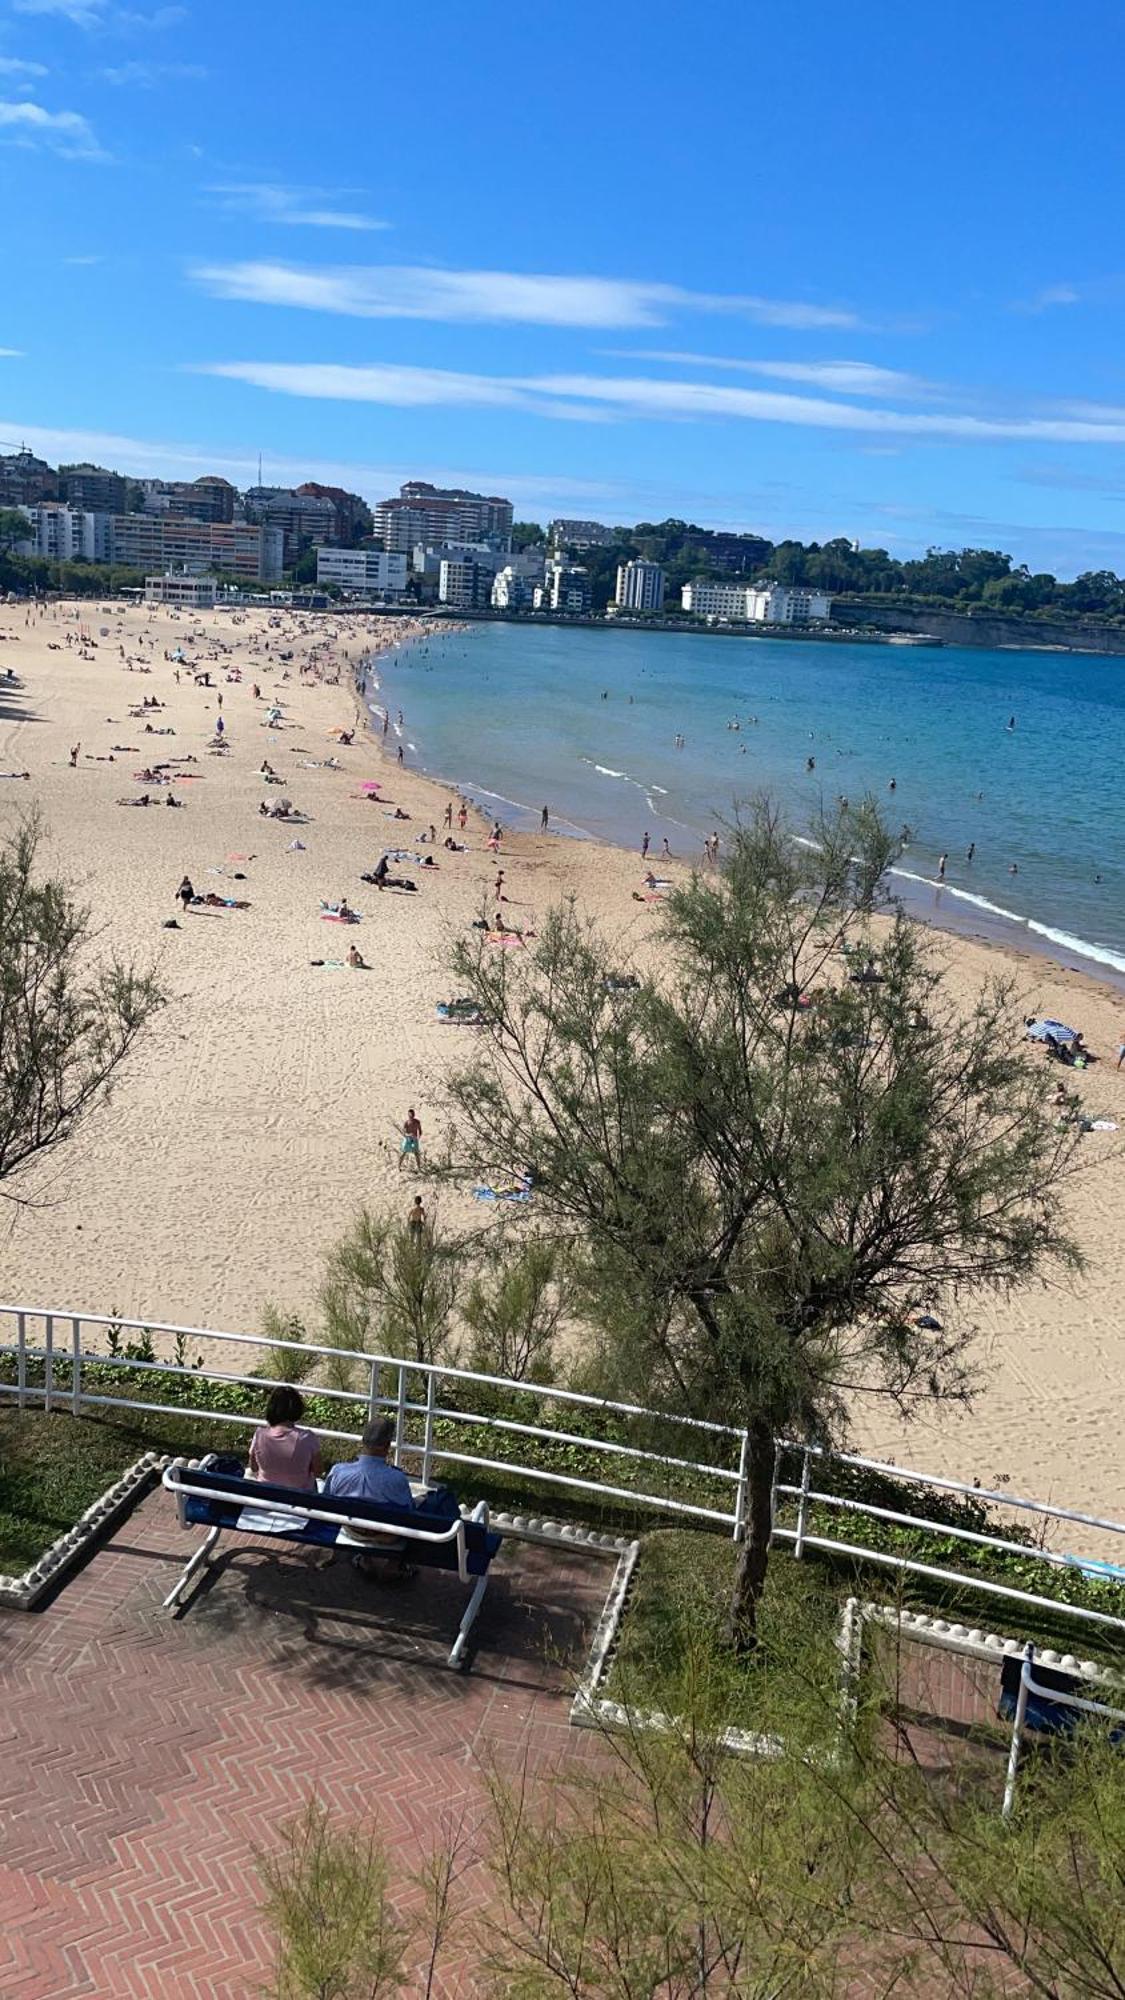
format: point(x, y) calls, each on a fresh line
point(243, 1492)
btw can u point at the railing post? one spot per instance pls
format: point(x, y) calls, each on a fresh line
point(740, 1490)
point(803, 1504)
point(21, 1361)
point(373, 1393)
point(1017, 1735)
point(75, 1365)
point(428, 1438)
point(400, 1417)
point(49, 1362)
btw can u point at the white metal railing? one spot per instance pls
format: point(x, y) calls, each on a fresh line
point(49, 1365)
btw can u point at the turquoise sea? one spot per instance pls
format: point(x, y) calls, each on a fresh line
point(1021, 753)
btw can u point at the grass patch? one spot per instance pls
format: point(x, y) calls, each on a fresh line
point(671, 1654)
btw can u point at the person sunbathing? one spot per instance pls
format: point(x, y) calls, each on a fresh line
point(144, 800)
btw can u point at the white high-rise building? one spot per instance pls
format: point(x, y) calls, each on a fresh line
point(704, 599)
point(66, 534)
point(640, 586)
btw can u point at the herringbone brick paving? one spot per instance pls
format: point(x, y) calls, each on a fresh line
point(144, 1759)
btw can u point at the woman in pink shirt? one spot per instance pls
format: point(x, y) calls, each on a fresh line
point(283, 1451)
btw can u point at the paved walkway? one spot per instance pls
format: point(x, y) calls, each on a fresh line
point(144, 1758)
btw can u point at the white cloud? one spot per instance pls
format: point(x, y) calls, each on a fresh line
point(400, 387)
point(11, 353)
point(16, 66)
point(1052, 295)
point(93, 14)
point(83, 13)
point(624, 396)
point(83, 261)
point(65, 132)
point(146, 75)
point(847, 378)
point(271, 201)
point(416, 291)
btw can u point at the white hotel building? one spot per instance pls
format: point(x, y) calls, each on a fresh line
point(374, 572)
point(743, 604)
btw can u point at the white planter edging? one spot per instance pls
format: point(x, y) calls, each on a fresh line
point(21, 1593)
point(976, 1644)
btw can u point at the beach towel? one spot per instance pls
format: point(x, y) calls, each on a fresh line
point(501, 1194)
point(505, 939)
point(334, 917)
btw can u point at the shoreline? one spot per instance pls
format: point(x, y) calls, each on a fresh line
point(263, 1107)
point(930, 902)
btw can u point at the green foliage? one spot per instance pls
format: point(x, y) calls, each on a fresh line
point(65, 1026)
point(392, 1288)
point(285, 1364)
point(515, 1307)
point(769, 1198)
point(328, 1904)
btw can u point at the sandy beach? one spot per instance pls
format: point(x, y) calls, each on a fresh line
point(264, 1106)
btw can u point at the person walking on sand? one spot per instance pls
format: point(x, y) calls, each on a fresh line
point(411, 1146)
point(74, 756)
point(498, 887)
point(644, 844)
point(185, 893)
point(417, 1221)
point(463, 817)
point(543, 818)
point(447, 822)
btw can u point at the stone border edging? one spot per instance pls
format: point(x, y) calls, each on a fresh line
point(22, 1593)
point(977, 1644)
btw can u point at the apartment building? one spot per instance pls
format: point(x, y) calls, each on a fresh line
point(568, 534)
point(93, 488)
point(465, 582)
point(565, 587)
point(25, 479)
point(65, 534)
point(640, 586)
point(433, 515)
point(373, 571)
point(158, 543)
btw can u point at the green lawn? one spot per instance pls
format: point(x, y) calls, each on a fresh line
point(670, 1652)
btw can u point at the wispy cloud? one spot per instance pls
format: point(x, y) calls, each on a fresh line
point(1049, 297)
point(147, 75)
point(301, 207)
point(415, 291)
point(16, 66)
point(11, 353)
point(89, 259)
point(64, 132)
point(95, 14)
point(849, 378)
point(564, 395)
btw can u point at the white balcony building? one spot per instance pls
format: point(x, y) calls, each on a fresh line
point(374, 572)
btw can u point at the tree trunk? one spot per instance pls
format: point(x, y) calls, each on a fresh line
point(753, 1554)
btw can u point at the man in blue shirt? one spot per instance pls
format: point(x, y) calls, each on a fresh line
point(370, 1477)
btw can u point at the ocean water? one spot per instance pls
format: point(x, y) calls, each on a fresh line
point(586, 722)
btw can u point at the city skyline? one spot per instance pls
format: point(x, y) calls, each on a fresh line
point(853, 279)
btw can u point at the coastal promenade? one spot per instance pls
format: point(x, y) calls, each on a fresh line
point(147, 1759)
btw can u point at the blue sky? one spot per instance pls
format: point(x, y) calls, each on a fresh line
point(806, 270)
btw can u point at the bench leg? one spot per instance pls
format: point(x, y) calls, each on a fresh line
point(468, 1621)
point(196, 1563)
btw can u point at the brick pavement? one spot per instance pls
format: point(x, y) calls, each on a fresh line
point(144, 1758)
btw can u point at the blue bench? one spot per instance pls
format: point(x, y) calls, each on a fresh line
point(222, 1500)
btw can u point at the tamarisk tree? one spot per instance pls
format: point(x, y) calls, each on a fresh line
point(66, 1023)
point(786, 1183)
